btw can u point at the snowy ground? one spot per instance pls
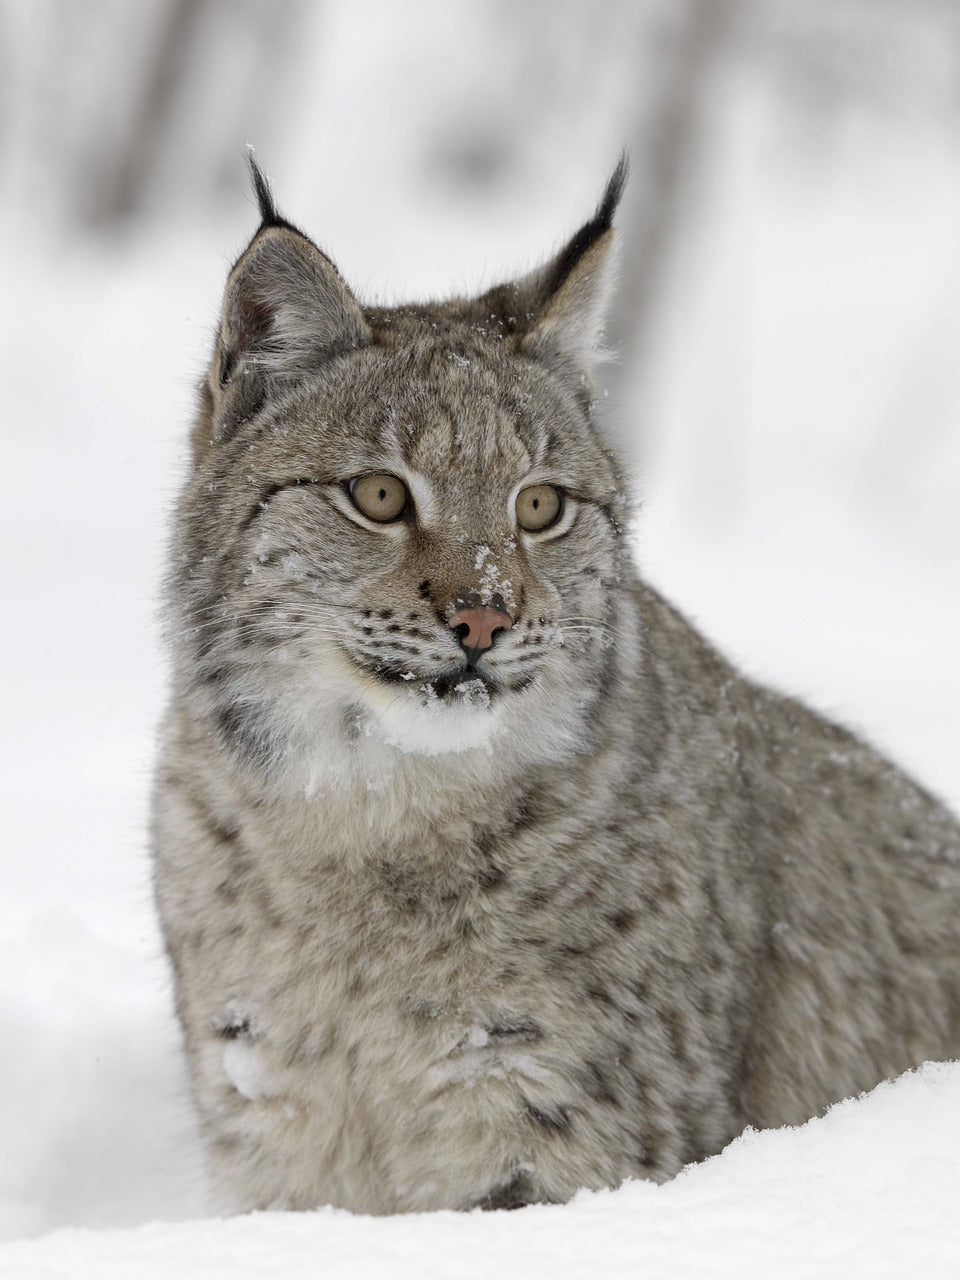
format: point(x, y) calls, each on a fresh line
point(786, 507)
point(869, 1190)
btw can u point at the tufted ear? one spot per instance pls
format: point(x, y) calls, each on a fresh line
point(286, 310)
point(558, 310)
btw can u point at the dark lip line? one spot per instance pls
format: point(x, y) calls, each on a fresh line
point(445, 682)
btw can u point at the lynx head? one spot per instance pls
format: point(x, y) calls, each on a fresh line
point(401, 527)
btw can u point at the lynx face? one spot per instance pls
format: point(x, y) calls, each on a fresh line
point(401, 521)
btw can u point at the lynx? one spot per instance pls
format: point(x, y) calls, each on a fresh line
point(484, 878)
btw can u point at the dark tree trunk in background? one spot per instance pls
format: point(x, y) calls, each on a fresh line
point(121, 191)
point(226, 61)
point(665, 153)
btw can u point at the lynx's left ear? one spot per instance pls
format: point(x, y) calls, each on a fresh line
point(560, 308)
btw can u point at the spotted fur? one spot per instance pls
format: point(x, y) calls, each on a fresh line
point(449, 936)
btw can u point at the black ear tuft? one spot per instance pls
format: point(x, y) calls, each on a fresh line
point(269, 216)
point(611, 197)
point(268, 210)
point(592, 230)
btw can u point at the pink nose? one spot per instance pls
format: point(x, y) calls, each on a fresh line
point(482, 624)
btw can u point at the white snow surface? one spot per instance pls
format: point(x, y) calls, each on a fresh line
point(868, 1190)
point(798, 457)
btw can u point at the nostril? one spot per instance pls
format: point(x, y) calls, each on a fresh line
point(461, 631)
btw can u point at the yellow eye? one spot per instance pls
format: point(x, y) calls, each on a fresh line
point(539, 506)
point(379, 497)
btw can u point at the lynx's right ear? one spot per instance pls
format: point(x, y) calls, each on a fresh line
point(286, 310)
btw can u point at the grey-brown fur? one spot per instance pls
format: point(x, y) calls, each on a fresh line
point(432, 953)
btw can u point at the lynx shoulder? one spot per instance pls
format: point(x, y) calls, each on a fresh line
point(484, 878)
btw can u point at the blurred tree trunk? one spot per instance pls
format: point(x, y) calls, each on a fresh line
point(121, 191)
point(186, 75)
point(665, 152)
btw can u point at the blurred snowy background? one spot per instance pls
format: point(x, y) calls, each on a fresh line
point(787, 388)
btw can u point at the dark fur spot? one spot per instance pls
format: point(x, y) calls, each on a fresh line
point(397, 646)
point(597, 1086)
point(491, 877)
point(518, 1031)
point(535, 899)
point(526, 812)
point(599, 994)
point(400, 887)
point(216, 675)
point(510, 1195)
point(233, 1028)
point(240, 728)
point(623, 921)
point(551, 1119)
point(226, 833)
point(584, 948)
point(484, 839)
point(676, 1031)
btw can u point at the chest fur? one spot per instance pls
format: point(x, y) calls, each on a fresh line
point(439, 994)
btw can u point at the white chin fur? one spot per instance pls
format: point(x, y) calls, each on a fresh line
point(415, 720)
